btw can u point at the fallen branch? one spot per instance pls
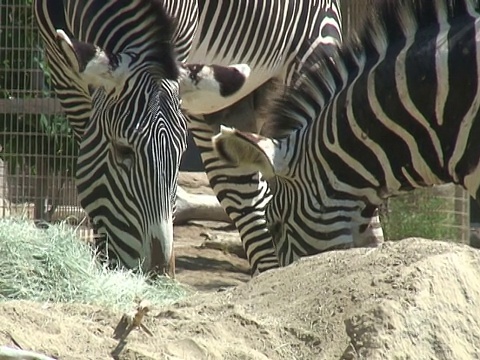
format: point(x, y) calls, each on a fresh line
point(198, 207)
point(128, 322)
point(7, 353)
point(132, 320)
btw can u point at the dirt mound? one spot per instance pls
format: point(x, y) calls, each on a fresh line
point(415, 299)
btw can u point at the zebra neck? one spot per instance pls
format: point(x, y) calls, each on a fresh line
point(403, 106)
point(186, 15)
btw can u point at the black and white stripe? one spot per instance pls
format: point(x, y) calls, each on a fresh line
point(275, 38)
point(395, 109)
point(131, 136)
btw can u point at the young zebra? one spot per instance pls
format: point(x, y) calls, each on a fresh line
point(395, 109)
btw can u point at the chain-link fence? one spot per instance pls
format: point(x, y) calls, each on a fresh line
point(441, 212)
point(38, 153)
point(37, 150)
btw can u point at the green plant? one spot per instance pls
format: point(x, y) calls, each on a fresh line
point(422, 214)
point(29, 139)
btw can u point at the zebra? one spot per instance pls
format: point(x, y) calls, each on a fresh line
point(396, 108)
point(207, 32)
point(118, 78)
point(276, 49)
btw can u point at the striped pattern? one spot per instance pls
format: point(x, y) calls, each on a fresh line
point(131, 138)
point(395, 109)
point(126, 199)
point(276, 43)
point(115, 28)
point(125, 196)
point(272, 33)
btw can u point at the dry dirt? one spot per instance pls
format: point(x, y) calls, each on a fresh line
point(197, 264)
point(414, 299)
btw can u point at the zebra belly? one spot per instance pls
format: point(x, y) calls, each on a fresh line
point(202, 102)
point(265, 62)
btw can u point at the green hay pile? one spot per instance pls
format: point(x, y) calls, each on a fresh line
point(53, 265)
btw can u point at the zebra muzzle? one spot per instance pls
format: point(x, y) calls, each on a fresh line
point(162, 258)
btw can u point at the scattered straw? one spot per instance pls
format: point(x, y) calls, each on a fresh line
point(53, 265)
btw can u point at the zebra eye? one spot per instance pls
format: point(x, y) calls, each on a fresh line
point(124, 151)
point(124, 155)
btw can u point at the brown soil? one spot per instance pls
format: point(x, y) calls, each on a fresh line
point(202, 267)
point(197, 264)
point(414, 299)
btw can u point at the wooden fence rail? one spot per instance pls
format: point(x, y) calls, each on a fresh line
point(47, 106)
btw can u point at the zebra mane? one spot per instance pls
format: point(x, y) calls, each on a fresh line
point(138, 26)
point(326, 73)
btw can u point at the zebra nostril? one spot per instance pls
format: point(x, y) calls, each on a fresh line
point(164, 264)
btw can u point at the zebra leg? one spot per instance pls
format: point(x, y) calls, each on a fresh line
point(243, 196)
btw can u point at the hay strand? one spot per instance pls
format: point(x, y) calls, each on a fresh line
point(53, 265)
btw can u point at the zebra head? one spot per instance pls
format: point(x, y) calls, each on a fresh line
point(300, 217)
point(131, 147)
point(255, 153)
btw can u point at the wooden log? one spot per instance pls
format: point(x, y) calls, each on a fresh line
point(47, 106)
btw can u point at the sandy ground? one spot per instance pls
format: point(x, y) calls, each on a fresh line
point(205, 268)
point(414, 299)
point(197, 264)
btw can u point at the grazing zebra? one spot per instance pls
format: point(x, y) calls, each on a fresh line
point(274, 37)
point(124, 165)
point(395, 109)
point(115, 71)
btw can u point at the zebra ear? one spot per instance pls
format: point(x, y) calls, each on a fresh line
point(201, 83)
point(247, 150)
point(95, 66)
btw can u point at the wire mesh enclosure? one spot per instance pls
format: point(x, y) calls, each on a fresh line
point(440, 213)
point(37, 149)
